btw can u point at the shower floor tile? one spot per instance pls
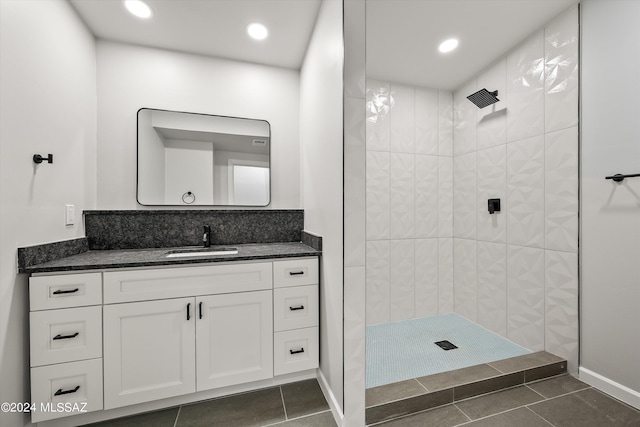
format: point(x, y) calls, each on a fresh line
point(403, 350)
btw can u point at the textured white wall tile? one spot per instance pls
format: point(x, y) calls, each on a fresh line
point(401, 277)
point(426, 121)
point(492, 184)
point(561, 317)
point(561, 195)
point(492, 287)
point(401, 195)
point(445, 123)
point(525, 89)
point(377, 194)
point(402, 119)
point(465, 120)
point(525, 192)
point(465, 205)
point(445, 275)
point(492, 120)
point(426, 277)
point(561, 71)
point(378, 106)
point(426, 196)
point(525, 296)
point(354, 183)
point(377, 282)
point(445, 196)
point(354, 341)
point(465, 286)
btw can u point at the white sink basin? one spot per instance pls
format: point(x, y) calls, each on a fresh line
point(202, 252)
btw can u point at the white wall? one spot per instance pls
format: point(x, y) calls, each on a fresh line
point(610, 212)
point(409, 204)
point(515, 272)
point(151, 187)
point(354, 212)
point(321, 138)
point(188, 166)
point(131, 77)
point(48, 105)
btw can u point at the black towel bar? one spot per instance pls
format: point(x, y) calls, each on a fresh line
point(620, 177)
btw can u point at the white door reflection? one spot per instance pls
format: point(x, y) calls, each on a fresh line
point(248, 183)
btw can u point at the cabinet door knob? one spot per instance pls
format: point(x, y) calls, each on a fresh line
point(298, 307)
point(301, 350)
point(189, 311)
point(200, 310)
point(60, 291)
point(66, 337)
point(60, 392)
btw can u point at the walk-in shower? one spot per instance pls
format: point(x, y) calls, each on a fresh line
point(471, 210)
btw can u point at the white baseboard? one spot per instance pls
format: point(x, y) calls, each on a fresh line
point(619, 391)
point(336, 410)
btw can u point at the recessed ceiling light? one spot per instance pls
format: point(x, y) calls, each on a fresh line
point(448, 45)
point(257, 31)
point(138, 8)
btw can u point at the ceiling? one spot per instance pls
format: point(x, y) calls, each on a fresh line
point(487, 29)
point(402, 35)
point(210, 27)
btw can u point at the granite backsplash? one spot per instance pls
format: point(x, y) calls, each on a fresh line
point(40, 254)
point(144, 229)
point(138, 229)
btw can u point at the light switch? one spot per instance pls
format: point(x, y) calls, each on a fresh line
point(70, 214)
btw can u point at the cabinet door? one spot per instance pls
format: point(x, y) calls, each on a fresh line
point(234, 339)
point(149, 351)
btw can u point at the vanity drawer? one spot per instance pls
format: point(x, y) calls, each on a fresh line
point(161, 283)
point(295, 307)
point(65, 290)
point(295, 350)
point(295, 272)
point(67, 388)
point(65, 335)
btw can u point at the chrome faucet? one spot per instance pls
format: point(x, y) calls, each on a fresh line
point(206, 237)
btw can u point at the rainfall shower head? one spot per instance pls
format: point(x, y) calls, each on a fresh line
point(484, 98)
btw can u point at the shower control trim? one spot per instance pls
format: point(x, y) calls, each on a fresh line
point(493, 206)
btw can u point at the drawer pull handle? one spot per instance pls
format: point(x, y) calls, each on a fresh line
point(297, 351)
point(296, 273)
point(60, 392)
point(189, 311)
point(299, 307)
point(70, 291)
point(65, 337)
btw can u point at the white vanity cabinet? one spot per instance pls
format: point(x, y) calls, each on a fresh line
point(233, 339)
point(66, 344)
point(218, 334)
point(149, 351)
point(168, 332)
point(295, 338)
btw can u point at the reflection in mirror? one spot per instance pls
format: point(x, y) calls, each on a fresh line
point(198, 159)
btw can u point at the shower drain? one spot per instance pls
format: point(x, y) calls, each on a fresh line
point(445, 345)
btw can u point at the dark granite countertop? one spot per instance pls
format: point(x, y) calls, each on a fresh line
point(125, 258)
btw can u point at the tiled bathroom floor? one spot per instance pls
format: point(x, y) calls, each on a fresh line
point(290, 405)
point(559, 402)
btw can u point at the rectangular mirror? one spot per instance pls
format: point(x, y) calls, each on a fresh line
point(202, 160)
